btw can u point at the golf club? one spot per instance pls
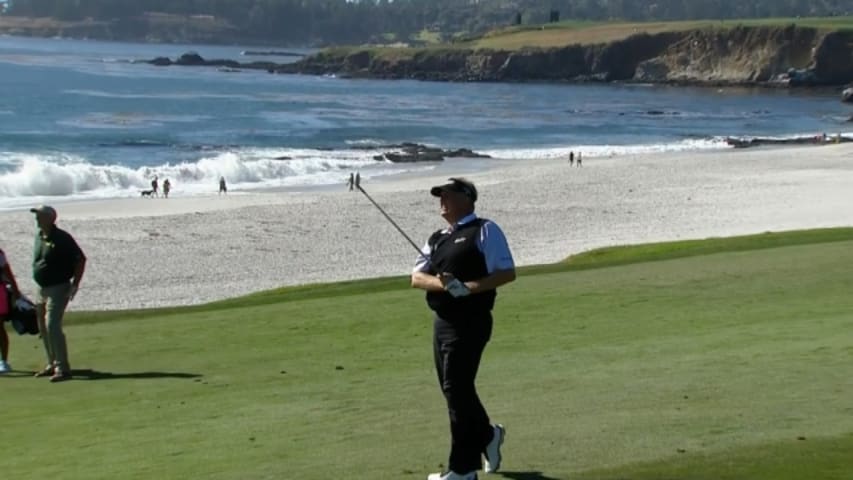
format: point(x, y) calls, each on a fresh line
point(355, 182)
point(455, 287)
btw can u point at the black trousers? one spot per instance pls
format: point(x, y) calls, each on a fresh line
point(458, 346)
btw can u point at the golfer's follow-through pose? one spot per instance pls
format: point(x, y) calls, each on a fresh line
point(460, 267)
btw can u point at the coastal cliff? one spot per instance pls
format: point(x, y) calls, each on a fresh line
point(779, 56)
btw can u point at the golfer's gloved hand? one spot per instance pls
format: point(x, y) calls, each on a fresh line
point(457, 288)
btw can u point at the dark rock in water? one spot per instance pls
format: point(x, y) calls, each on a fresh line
point(283, 157)
point(414, 152)
point(821, 139)
point(464, 153)
point(797, 77)
point(414, 157)
point(190, 59)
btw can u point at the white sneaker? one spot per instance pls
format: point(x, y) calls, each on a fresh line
point(493, 450)
point(452, 476)
point(5, 367)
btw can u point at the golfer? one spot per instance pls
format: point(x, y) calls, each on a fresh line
point(460, 268)
point(58, 265)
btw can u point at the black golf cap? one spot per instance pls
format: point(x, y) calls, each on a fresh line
point(457, 185)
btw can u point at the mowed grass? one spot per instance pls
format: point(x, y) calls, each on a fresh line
point(586, 33)
point(726, 362)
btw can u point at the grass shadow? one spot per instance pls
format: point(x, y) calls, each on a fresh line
point(527, 476)
point(89, 374)
point(17, 374)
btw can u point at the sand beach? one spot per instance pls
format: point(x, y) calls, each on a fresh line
point(190, 250)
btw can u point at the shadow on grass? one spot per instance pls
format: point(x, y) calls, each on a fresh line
point(527, 476)
point(89, 374)
point(17, 374)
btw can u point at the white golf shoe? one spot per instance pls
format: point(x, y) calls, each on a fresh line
point(493, 450)
point(452, 476)
point(5, 367)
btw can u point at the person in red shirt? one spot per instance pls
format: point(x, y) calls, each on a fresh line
point(7, 300)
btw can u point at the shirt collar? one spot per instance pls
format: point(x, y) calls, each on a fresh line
point(462, 221)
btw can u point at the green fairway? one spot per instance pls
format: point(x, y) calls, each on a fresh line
point(719, 359)
point(585, 32)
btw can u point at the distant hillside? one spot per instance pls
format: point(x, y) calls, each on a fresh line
point(151, 27)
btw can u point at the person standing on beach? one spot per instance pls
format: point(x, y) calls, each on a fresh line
point(167, 185)
point(58, 266)
point(571, 158)
point(460, 268)
point(579, 159)
point(7, 300)
point(222, 187)
point(154, 186)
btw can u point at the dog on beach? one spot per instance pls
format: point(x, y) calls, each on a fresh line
point(146, 193)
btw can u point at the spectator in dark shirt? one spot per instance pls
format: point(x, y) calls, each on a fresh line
point(58, 266)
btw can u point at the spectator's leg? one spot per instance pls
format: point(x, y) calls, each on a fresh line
point(57, 300)
point(4, 343)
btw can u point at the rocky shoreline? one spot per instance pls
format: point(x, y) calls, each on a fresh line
point(408, 152)
point(742, 56)
point(822, 139)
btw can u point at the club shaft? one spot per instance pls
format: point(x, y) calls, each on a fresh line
point(412, 243)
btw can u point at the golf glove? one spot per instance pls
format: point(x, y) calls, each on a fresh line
point(457, 288)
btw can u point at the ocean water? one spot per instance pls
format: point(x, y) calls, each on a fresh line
point(82, 120)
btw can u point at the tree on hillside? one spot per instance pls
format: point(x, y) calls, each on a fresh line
point(355, 21)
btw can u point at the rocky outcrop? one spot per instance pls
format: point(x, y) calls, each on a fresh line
point(192, 59)
point(742, 55)
point(833, 58)
point(415, 152)
point(822, 139)
point(773, 56)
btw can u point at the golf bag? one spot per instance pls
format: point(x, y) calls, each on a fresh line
point(5, 298)
point(21, 314)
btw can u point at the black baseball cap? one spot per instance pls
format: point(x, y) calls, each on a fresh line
point(45, 210)
point(456, 185)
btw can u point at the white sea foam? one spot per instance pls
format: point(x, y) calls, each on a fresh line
point(609, 150)
point(193, 96)
point(28, 178)
point(366, 142)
